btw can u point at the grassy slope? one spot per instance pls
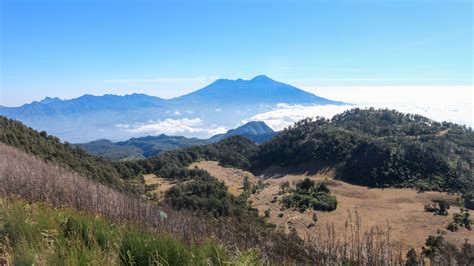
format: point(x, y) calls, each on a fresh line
point(41, 234)
point(49, 148)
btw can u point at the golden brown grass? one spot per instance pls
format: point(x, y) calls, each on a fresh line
point(400, 209)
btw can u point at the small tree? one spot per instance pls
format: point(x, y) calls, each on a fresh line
point(306, 185)
point(267, 213)
point(443, 208)
point(412, 258)
point(285, 186)
point(246, 184)
point(323, 188)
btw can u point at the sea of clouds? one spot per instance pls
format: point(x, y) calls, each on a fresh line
point(440, 103)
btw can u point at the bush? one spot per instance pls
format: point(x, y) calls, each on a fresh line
point(317, 201)
point(412, 258)
point(439, 208)
point(453, 227)
point(462, 219)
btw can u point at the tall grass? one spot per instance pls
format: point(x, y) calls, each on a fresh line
point(40, 234)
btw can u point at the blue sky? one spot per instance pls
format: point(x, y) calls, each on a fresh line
point(167, 48)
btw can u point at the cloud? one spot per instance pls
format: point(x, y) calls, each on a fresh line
point(163, 80)
point(184, 126)
point(285, 115)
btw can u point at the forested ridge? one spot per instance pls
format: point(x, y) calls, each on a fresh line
point(378, 148)
point(50, 148)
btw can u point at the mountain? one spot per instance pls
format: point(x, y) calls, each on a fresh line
point(144, 147)
point(259, 90)
point(224, 103)
point(257, 131)
point(112, 151)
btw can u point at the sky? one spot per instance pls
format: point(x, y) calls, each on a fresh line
point(168, 48)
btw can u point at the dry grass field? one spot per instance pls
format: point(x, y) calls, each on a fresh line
point(400, 209)
point(163, 184)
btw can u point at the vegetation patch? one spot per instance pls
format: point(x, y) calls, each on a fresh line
point(306, 194)
point(438, 207)
point(41, 234)
point(461, 219)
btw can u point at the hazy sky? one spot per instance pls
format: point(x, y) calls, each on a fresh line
point(168, 48)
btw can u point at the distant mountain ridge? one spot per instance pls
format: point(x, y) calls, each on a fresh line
point(260, 89)
point(223, 103)
point(144, 147)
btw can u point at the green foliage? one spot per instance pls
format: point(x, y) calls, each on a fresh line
point(267, 213)
point(308, 194)
point(461, 219)
point(440, 252)
point(440, 207)
point(246, 185)
point(316, 201)
point(378, 148)
point(412, 258)
point(205, 196)
point(49, 148)
point(469, 200)
point(39, 234)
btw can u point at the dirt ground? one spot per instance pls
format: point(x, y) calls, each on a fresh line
point(400, 209)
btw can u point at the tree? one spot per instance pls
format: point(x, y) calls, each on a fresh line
point(412, 258)
point(247, 186)
point(285, 186)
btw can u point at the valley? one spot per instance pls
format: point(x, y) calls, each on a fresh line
point(400, 209)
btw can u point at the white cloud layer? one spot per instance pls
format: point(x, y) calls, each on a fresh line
point(440, 103)
point(184, 126)
point(285, 115)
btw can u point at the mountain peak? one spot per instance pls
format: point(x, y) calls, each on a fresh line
point(50, 100)
point(261, 78)
point(251, 128)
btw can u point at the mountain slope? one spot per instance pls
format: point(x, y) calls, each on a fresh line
point(49, 148)
point(257, 131)
point(378, 148)
point(112, 151)
point(144, 147)
point(50, 107)
point(223, 103)
point(259, 90)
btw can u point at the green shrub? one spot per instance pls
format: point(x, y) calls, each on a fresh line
point(319, 201)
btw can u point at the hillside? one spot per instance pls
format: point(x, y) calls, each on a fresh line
point(257, 131)
point(377, 148)
point(49, 148)
point(144, 147)
point(400, 208)
point(50, 215)
point(112, 151)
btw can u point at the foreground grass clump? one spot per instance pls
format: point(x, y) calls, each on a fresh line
point(39, 234)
